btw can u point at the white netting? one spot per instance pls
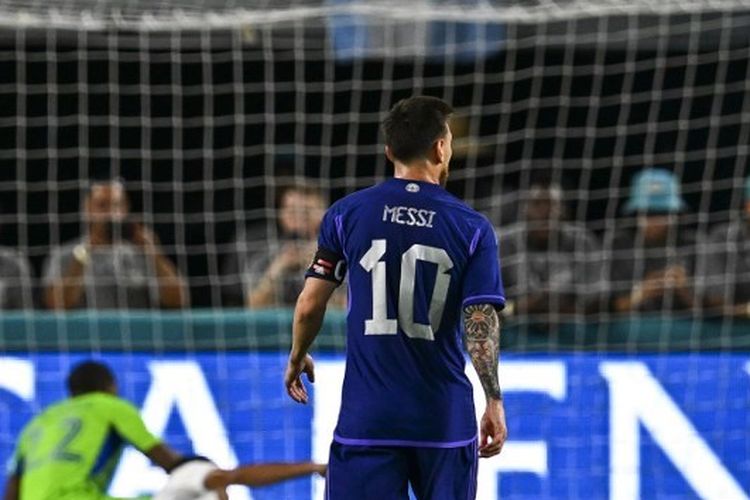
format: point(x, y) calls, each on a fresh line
point(210, 111)
point(145, 15)
point(207, 125)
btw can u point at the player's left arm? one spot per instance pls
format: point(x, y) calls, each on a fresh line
point(308, 318)
point(326, 272)
point(12, 487)
point(482, 337)
point(164, 456)
point(483, 297)
point(127, 422)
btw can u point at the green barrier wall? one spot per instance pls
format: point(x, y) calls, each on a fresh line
point(222, 330)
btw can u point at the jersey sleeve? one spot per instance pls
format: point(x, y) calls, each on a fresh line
point(482, 281)
point(329, 236)
point(128, 423)
point(329, 262)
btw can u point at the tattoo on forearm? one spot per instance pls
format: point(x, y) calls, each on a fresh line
point(482, 330)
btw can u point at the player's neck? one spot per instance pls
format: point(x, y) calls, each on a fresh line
point(417, 172)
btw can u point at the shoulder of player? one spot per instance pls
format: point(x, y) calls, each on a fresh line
point(42, 417)
point(353, 200)
point(108, 405)
point(474, 219)
point(474, 225)
point(55, 407)
point(34, 422)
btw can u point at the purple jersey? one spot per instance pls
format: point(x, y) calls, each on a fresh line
point(415, 256)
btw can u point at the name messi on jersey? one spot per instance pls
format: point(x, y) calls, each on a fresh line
point(408, 216)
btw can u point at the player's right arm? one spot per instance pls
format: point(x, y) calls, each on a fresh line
point(326, 272)
point(308, 318)
point(164, 456)
point(482, 337)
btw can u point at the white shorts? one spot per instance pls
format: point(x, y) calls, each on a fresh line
point(186, 482)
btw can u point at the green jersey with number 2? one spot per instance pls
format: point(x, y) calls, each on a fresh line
point(71, 449)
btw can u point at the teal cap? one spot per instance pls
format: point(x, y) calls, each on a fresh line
point(655, 190)
point(747, 189)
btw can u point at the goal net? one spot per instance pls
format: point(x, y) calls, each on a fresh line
point(607, 141)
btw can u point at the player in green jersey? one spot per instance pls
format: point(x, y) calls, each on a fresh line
point(70, 450)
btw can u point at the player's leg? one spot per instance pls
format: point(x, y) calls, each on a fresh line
point(445, 473)
point(366, 473)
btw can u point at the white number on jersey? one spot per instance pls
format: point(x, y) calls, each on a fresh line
point(380, 324)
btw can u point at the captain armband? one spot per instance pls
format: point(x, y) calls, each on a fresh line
point(328, 266)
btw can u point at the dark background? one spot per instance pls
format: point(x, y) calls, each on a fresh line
point(204, 127)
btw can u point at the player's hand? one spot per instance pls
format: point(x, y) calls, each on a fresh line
point(492, 429)
point(293, 378)
point(321, 469)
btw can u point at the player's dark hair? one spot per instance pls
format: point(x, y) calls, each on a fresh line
point(413, 125)
point(90, 376)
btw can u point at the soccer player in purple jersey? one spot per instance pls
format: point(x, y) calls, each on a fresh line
point(420, 263)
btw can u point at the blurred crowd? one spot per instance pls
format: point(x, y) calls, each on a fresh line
point(554, 268)
point(648, 262)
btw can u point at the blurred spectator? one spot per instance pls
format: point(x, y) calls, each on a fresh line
point(502, 206)
point(15, 281)
point(550, 266)
point(271, 273)
point(118, 263)
point(653, 263)
point(726, 265)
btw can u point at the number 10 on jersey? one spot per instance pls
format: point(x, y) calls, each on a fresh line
point(380, 324)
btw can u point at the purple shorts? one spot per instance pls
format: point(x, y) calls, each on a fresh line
point(385, 472)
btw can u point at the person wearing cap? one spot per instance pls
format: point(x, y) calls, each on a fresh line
point(652, 263)
point(551, 267)
point(726, 265)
